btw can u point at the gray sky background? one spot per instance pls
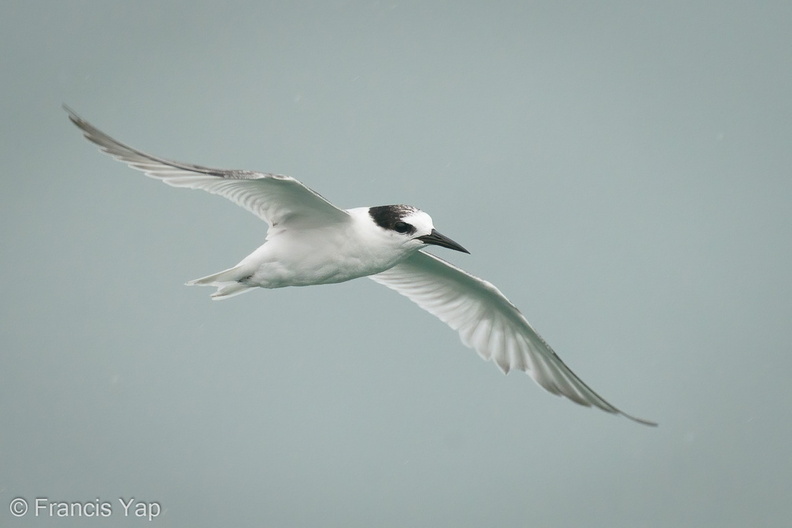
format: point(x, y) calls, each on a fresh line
point(621, 170)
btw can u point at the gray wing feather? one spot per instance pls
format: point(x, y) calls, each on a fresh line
point(274, 198)
point(489, 323)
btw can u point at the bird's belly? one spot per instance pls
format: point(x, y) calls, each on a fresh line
point(307, 272)
point(310, 261)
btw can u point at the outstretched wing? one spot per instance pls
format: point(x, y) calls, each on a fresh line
point(274, 198)
point(489, 323)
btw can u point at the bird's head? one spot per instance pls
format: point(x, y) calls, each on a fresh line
point(409, 228)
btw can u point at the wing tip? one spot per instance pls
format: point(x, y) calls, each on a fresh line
point(639, 420)
point(73, 116)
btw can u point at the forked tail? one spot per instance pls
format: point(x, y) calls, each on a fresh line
point(230, 282)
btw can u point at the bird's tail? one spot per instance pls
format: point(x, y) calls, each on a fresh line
point(228, 282)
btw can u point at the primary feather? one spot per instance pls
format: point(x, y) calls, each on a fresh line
point(488, 323)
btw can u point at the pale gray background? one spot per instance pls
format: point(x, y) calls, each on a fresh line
point(621, 170)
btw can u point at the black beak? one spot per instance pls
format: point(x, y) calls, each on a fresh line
point(440, 240)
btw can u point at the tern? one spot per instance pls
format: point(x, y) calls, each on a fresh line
point(311, 241)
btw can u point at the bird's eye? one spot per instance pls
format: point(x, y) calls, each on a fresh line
point(402, 227)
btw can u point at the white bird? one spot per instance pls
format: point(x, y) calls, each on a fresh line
point(311, 241)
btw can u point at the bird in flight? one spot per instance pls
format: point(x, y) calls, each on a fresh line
point(311, 241)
